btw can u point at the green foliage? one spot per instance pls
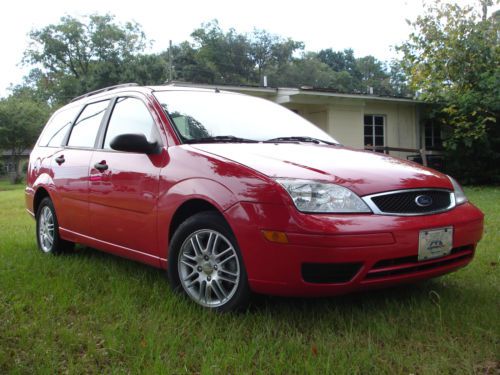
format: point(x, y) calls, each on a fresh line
point(73, 57)
point(21, 119)
point(226, 56)
point(453, 59)
point(373, 74)
point(24, 167)
point(270, 53)
point(234, 58)
point(145, 69)
point(305, 71)
point(346, 76)
point(231, 57)
point(399, 80)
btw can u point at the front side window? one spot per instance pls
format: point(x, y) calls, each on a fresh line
point(374, 130)
point(130, 116)
point(55, 131)
point(85, 129)
point(198, 115)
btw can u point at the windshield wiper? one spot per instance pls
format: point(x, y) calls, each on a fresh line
point(221, 139)
point(300, 139)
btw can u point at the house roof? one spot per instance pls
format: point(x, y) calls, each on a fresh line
point(289, 94)
point(9, 153)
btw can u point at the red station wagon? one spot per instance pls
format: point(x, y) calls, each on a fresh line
point(234, 194)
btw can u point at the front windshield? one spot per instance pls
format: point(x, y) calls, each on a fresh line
point(200, 115)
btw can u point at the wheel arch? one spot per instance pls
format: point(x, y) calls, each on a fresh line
point(42, 187)
point(186, 198)
point(40, 194)
point(187, 209)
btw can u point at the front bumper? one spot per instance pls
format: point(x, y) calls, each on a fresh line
point(365, 250)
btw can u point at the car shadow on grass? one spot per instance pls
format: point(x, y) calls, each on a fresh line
point(413, 294)
point(404, 292)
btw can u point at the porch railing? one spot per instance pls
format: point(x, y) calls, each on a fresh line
point(422, 152)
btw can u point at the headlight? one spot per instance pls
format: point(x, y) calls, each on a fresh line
point(460, 197)
point(313, 196)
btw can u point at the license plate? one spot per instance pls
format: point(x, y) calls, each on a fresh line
point(435, 243)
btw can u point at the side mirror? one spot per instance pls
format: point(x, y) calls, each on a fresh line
point(134, 143)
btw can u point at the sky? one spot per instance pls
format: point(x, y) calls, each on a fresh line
point(369, 27)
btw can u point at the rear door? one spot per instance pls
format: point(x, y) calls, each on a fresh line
point(70, 167)
point(124, 185)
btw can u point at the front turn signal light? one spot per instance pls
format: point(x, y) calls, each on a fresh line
point(275, 236)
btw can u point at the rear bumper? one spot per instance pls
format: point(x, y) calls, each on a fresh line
point(366, 251)
point(29, 195)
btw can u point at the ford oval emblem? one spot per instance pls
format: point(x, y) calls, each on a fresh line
point(423, 200)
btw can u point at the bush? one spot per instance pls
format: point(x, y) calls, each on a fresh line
point(25, 166)
point(477, 163)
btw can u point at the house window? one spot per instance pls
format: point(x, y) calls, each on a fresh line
point(374, 130)
point(433, 139)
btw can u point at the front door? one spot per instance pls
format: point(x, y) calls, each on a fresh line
point(124, 186)
point(70, 167)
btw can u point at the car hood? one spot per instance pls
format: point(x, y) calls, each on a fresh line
point(361, 171)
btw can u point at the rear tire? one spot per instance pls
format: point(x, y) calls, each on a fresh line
point(47, 230)
point(205, 263)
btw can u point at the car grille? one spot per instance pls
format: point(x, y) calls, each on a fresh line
point(408, 265)
point(405, 202)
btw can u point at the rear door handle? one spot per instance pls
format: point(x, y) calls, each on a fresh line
point(60, 159)
point(102, 166)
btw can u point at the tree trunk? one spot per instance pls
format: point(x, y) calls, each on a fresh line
point(16, 177)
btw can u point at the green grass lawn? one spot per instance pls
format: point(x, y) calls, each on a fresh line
point(6, 185)
point(89, 312)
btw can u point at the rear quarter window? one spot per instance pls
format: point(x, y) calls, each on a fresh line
point(57, 127)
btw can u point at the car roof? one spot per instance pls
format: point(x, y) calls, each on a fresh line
point(138, 88)
point(172, 87)
point(133, 87)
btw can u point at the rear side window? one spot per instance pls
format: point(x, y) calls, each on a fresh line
point(85, 129)
point(57, 128)
point(130, 116)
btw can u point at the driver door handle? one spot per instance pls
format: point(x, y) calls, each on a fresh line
point(60, 159)
point(102, 166)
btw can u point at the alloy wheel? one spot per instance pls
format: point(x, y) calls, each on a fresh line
point(209, 268)
point(46, 231)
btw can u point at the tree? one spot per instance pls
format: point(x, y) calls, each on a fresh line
point(398, 80)
point(363, 75)
point(373, 76)
point(225, 55)
point(145, 69)
point(340, 61)
point(230, 57)
point(74, 57)
point(188, 67)
point(307, 70)
point(271, 52)
point(452, 58)
point(21, 119)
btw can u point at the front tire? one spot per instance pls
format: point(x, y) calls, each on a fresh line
point(206, 264)
point(47, 230)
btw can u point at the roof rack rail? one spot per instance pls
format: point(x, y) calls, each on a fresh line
point(103, 90)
